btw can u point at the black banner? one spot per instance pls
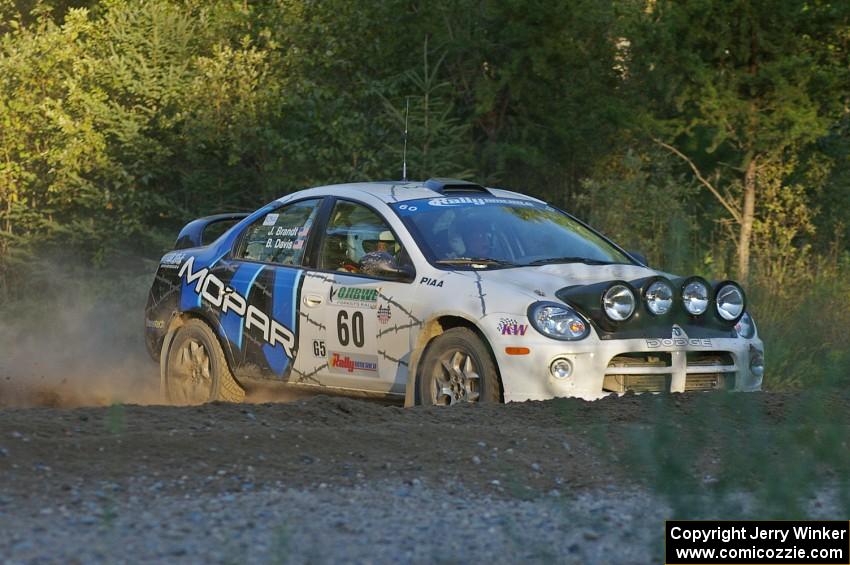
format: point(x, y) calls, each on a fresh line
point(757, 542)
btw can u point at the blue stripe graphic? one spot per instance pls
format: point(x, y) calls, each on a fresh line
point(242, 281)
point(284, 310)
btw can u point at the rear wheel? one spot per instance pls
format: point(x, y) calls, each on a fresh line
point(457, 367)
point(196, 370)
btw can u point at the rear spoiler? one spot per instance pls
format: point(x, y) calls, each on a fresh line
point(192, 234)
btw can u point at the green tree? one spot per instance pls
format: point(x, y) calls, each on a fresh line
point(737, 88)
point(439, 143)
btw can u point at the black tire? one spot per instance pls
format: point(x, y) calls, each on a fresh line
point(441, 372)
point(196, 369)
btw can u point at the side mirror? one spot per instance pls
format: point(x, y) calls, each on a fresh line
point(639, 257)
point(406, 273)
point(403, 273)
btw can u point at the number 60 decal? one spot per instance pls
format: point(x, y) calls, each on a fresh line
point(354, 333)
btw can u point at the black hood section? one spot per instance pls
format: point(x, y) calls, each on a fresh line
point(587, 299)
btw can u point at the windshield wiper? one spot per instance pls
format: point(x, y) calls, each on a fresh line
point(585, 260)
point(475, 261)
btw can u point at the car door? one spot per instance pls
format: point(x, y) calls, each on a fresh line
point(355, 323)
point(262, 279)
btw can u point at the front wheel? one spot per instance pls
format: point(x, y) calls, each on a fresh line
point(457, 367)
point(196, 370)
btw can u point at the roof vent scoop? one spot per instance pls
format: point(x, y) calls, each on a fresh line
point(448, 186)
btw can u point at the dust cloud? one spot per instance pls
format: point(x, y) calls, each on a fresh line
point(74, 337)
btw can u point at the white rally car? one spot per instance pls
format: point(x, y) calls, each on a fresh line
point(435, 292)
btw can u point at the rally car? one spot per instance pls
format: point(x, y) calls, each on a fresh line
point(435, 293)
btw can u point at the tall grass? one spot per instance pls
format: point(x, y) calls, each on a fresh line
point(805, 325)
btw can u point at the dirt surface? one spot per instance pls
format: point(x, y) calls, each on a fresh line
point(532, 446)
point(58, 464)
point(328, 440)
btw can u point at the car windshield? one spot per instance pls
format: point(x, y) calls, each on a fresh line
point(488, 231)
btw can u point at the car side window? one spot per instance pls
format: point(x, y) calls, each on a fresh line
point(356, 239)
point(280, 236)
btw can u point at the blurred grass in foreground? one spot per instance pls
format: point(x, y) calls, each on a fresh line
point(745, 455)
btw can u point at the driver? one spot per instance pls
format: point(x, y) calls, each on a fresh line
point(382, 256)
point(472, 240)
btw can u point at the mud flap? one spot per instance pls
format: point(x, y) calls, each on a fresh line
point(410, 391)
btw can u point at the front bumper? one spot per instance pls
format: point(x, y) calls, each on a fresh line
point(603, 367)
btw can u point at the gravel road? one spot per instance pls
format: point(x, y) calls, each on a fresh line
point(381, 522)
point(339, 480)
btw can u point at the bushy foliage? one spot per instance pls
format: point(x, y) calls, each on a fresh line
point(645, 204)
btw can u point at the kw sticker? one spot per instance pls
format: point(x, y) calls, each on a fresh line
point(355, 297)
point(384, 314)
point(212, 289)
point(509, 326)
point(353, 364)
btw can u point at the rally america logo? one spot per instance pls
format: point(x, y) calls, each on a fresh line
point(477, 201)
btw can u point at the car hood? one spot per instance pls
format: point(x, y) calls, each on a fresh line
point(548, 279)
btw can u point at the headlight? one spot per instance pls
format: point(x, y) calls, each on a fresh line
point(730, 301)
point(619, 302)
point(659, 297)
point(746, 327)
point(695, 297)
point(557, 321)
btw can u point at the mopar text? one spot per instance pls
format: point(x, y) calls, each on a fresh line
point(216, 292)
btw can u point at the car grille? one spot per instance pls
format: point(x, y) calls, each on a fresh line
point(637, 383)
point(706, 381)
point(709, 359)
point(710, 370)
point(655, 371)
point(631, 360)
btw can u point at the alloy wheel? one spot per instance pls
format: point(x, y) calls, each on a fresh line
point(455, 379)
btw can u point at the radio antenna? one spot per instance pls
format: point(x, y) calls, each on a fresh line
point(404, 151)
